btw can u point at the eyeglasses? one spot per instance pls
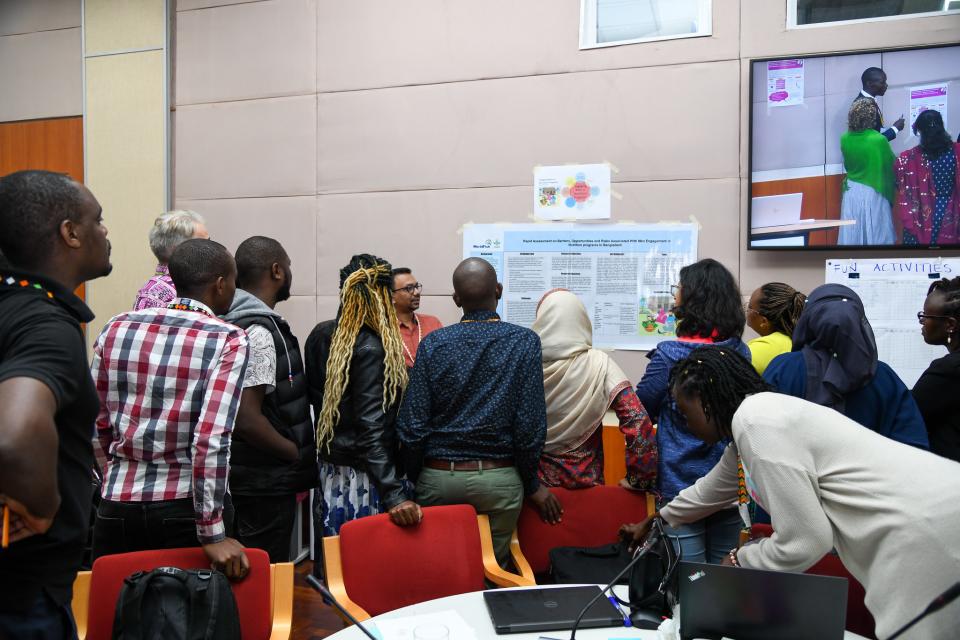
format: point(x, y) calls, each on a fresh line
point(921, 316)
point(674, 290)
point(748, 309)
point(411, 288)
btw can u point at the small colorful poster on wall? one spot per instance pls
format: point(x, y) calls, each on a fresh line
point(931, 96)
point(572, 192)
point(784, 83)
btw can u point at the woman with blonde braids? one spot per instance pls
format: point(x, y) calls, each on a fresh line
point(357, 375)
point(773, 312)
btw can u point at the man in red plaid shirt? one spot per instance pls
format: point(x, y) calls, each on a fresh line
point(169, 385)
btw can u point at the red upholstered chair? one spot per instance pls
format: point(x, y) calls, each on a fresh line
point(591, 517)
point(264, 597)
point(375, 566)
point(859, 618)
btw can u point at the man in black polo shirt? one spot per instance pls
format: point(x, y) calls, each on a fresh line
point(53, 239)
point(274, 451)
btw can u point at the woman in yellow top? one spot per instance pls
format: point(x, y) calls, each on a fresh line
point(773, 312)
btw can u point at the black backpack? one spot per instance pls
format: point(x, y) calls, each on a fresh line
point(173, 604)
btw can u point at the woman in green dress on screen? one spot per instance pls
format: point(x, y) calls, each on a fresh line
point(868, 189)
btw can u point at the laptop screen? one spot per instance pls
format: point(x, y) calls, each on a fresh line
point(749, 604)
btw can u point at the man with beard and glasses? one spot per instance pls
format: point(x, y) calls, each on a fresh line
point(274, 449)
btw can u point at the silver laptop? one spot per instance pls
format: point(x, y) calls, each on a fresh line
point(776, 211)
point(532, 610)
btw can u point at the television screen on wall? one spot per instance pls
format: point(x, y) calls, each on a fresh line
point(829, 169)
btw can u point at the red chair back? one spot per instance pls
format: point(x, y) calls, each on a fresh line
point(591, 517)
point(386, 567)
point(859, 618)
point(252, 593)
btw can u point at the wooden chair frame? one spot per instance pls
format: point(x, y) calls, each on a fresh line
point(491, 569)
point(281, 601)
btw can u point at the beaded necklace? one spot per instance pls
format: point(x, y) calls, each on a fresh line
point(25, 284)
point(183, 306)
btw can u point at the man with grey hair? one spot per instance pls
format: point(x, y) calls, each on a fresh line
point(169, 230)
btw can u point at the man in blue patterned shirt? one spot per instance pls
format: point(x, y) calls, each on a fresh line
point(474, 410)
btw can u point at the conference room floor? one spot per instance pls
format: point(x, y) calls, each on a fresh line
point(312, 619)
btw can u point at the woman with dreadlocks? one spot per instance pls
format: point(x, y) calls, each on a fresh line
point(936, 390)
point(891, 511)
point(773, 312)
point(356, 375)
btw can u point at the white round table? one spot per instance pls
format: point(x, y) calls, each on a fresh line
point(472, 609)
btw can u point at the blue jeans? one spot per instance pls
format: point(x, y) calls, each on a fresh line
point(44, 619)
point(707, 540)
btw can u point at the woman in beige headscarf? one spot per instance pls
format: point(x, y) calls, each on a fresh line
point(581, 383)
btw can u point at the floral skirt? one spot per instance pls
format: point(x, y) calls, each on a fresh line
point(345, 494)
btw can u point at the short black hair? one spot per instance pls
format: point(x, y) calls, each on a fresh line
point(871, 72)
point(197, 263)
point(255, 256)
point(32, 206)
point(710, 303)
point(721, 378)
point(399, 271)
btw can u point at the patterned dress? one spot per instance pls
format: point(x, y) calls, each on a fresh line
point(583, 467)
point(943, 170)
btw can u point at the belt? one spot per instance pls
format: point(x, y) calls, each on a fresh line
point(467, 465)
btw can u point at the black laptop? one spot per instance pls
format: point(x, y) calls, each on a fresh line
point(748, 604)
point(532, 610)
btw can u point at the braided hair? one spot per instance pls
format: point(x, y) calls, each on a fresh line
point(365, 300)
point(951, 295)
point(781, 305)
point(721, 378)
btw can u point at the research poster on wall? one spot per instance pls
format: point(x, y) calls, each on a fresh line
point(893, 291)
point(933, 96)
point(785, 80)
point(621, 272)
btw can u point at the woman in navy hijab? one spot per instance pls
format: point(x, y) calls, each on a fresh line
point(834, 363)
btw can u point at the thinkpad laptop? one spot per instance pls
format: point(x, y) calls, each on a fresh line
point(748, 604)
point(532, 610)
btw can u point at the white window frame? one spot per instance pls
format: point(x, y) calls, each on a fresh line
point(792, 17)
point(588, 28)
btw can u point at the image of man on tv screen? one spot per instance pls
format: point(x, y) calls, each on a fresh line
point(874, 82)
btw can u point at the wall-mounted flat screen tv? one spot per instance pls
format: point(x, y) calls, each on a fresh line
point(829, 167)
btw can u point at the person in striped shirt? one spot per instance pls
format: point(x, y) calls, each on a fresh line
point(169, 382)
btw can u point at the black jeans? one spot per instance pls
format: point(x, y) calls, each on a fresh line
point(266, 522)
point(43, 620)
point(144, 526)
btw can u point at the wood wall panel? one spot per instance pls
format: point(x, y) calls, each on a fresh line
point(54, 144)
point(821, 201)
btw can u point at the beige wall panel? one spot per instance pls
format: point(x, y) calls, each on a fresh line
point(114, 25)
point(300, 312)
point(326, 310)
point(189, 5)
point(252, 148)
point(40, 75)
point(764, 32)
point(291, 221)
point(389, 43)
point(125, 168)
point(254, 50)
point(492, 133)
point(418, 229)
point(27, 16)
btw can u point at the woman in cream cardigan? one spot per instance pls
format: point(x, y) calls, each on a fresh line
point(891, 511)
